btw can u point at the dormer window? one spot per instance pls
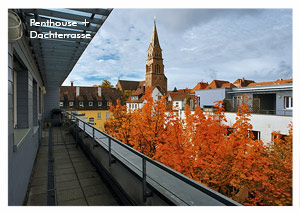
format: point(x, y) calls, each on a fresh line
point(81, 104)
point(90, 103)
point(99, 103)
point(61, 104)
point(107, 103)
point(71, 103)
point(134, 98)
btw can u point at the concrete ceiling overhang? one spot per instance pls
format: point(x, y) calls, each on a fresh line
point(57, 57)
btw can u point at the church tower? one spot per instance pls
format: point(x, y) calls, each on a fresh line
point(155, 75)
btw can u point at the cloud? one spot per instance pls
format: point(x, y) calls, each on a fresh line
point(197, 44)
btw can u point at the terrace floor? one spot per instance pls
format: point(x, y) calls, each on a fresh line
point(76, 180)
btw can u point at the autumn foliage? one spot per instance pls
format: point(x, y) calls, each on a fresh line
point(200, 147)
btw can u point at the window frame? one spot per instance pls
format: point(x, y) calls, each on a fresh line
point(99, 113)
point(61, 104)
point(91, 104)
point(290, 102)
point(99, 103)
point(71, 103)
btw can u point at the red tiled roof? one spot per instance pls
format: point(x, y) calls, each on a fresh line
point(228, 85)
point(242, 82)
point(67, 92)
point(199, 86)
point(182, 96)
point(219, 84)
point(128, 85)
point(277, 82)
point(89, 93)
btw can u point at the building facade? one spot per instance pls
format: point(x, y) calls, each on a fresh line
point(36, 69)
point(92, 101)
point(270, 104)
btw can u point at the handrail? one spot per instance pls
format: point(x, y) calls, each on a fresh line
point(221, 198)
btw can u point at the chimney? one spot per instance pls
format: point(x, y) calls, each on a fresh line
point(99, 91)
point(72, 83)
point(243, 79)
point(77, 90)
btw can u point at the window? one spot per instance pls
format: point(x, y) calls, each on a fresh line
point(229, 131)
point(99, 115)
point(177, 104)
point(107, 115)
point(278, 136)
point(81, 104)
point(71, 103)
point(237, 101)
point(288, 102)
point(61, 104)
point(20, 101)
point(90, 103)
point(256, 134)
point(99, 103)
point(136, 106)
point(198, 100)
point(91, 119)
point(34, 104)
point(40, 100)
point(107, 103)
point(159, 97)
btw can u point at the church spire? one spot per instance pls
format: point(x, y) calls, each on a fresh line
point(154, 40)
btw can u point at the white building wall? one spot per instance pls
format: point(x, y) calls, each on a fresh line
point(266, 124)
point(180, 105)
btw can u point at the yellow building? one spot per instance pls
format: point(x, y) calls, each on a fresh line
point(97, 118)
point(92, 101)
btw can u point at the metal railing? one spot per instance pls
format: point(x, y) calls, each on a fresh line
point(254, 106)
point(98, 139)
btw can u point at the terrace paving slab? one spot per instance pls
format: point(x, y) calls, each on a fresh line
point(77, 182)
point(70, 194)
point(101, 200)
point(76, 202)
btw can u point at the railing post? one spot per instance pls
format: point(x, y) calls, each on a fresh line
point(109, 151)
point(94, 141)
point(144, 179)
point(76, 131)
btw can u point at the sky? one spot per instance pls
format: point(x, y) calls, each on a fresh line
point(198, 45)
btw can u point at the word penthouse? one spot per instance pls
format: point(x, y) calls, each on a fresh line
point(55, 35)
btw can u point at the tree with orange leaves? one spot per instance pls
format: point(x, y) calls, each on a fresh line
point(120, 124)
point(199, 146)
point(148, 128)
point(280, 183)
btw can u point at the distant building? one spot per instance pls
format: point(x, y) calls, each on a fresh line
point(216, 90)
point(178, 99)
point(127, 85)
point(155, 79)
point(199, 86)
point(92, 101)
point(239, 83)
point(270, 103)
point(127, 88)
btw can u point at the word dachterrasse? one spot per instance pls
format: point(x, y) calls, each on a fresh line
point(55, 35)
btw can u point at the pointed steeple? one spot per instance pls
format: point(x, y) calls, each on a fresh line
point(154, 40)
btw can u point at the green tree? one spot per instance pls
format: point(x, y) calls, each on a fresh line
point(106, 84)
